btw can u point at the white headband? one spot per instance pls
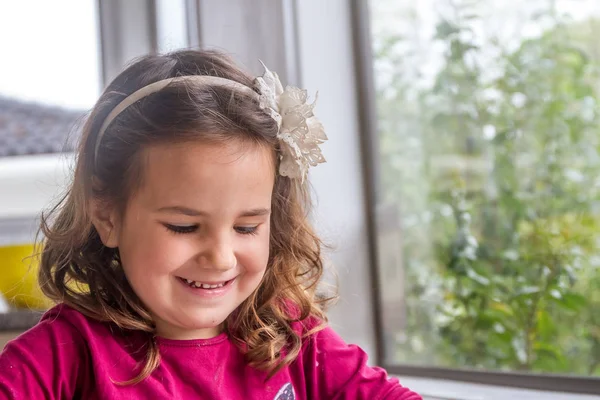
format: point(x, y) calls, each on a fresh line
point(300, 132)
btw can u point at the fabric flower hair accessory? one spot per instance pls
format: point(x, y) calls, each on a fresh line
point(300, 132)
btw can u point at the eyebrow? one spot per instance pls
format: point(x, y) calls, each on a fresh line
point(255, 212)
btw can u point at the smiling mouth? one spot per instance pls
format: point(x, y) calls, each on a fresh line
point(205, 286)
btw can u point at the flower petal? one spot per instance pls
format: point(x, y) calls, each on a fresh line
point(271, 79)
point(292, 97)
point(317, 131)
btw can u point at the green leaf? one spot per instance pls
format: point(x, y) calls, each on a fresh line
point(572, 301)
point(502, 310)
point(545, 325)
point(547, 349)
point(444, 29)
point(518, 345)
point(482, 280)
point(527, 290)
point(555, 293)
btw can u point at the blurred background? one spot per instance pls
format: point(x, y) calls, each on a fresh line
point(462, 189)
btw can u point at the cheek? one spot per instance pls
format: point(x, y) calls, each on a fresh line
point(151, 249)
point(255, 255)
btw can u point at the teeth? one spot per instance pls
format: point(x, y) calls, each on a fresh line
point(203, 285)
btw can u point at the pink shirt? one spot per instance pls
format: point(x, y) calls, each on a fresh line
point(69, 356)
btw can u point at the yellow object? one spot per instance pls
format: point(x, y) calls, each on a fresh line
point(18, 277)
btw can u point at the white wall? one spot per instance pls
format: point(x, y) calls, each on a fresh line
point(326, 64)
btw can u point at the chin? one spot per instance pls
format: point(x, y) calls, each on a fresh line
point(201, 324)
point(205, 321)
point(206, 324)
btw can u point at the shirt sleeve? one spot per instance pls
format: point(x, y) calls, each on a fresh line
point(43, 363)
point(336, 370)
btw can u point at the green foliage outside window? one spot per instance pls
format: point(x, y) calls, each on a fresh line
point(496, 173)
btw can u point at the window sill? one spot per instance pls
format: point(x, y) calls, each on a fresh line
point(438, 389)
point(30, 183)
point(19, 320)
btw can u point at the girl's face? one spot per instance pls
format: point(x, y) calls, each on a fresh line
point(194, 239)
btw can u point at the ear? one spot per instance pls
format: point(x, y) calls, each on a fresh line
point(105, 219)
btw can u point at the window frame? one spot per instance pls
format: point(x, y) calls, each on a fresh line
point(127, 29)
point(367, 115)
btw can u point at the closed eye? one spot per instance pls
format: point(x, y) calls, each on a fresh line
point(181, 228)
point(246, 230)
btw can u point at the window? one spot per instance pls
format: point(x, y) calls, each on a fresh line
point(49, 75)
point(487, 177)
point(50, 52)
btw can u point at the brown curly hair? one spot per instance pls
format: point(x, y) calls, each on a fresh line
point(78, 270)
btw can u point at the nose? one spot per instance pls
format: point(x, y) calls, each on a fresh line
point(218, 255)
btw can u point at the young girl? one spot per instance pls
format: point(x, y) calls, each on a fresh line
point(181, 259)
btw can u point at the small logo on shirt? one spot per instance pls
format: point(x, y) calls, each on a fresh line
point(286, 393)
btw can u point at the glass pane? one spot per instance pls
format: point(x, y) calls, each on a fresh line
point(50, 52)
point(171, 27)
point(489, 166)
